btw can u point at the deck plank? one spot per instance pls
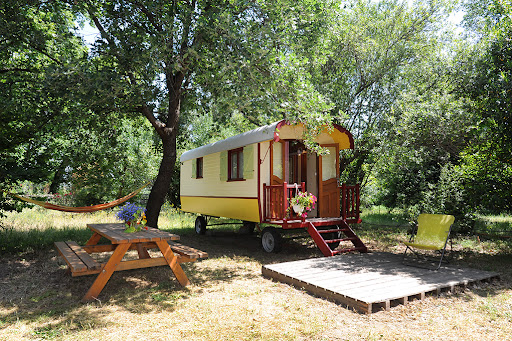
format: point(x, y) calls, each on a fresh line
point(369, 281)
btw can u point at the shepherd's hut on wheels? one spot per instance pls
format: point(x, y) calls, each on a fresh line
point(252, 176)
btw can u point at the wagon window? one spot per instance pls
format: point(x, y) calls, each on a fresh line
point(199, 168)
point(236, 164)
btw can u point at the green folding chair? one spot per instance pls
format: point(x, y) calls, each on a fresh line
point(432, 234)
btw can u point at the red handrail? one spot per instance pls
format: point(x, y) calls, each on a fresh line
point(350, 203)
point(276, 203)
point(275, 200)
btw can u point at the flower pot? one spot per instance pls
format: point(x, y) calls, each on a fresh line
point(298, 209)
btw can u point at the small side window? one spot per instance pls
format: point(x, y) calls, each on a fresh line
point(236, 164)
point(199, 168)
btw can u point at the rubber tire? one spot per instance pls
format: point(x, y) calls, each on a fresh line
point(271, 240)
point(200, 225)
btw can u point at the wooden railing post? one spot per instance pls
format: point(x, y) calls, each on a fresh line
point(357, 202)
point(285, 199)
point(350, 201)
point(265, 208)
point(344, 201)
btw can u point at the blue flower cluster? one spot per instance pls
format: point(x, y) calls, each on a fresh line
point(130, 212)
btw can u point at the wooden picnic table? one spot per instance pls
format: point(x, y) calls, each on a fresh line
point(81, 263)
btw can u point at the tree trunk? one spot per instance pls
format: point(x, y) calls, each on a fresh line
point(58, 176)
point(167, 133)
point(163, 180)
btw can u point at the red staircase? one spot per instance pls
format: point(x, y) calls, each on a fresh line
point(323, 238)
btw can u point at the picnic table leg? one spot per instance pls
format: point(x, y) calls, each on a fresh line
point(172, 260)
point(106, 272)
point(95, 238)
point(142, 251)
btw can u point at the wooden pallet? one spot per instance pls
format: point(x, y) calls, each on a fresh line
point(370, 282)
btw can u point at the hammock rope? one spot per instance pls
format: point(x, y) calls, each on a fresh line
point(85, 209)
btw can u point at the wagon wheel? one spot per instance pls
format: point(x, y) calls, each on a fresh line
point(271, 240)
point(200, 225)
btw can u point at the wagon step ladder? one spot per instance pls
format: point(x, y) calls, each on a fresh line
point(342, 229)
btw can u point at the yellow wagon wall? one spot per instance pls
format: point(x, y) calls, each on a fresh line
point(264, 169)
point(212, 196)
point(241, 199)
point(235, 208)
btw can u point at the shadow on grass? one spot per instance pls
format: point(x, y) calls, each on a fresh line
point(230, 243)
point(38, 291)
point(495, 231)
point(385, 218)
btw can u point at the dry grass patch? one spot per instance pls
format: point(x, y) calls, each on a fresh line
point(230, 300)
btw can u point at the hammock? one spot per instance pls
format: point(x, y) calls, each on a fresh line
point(84, 209)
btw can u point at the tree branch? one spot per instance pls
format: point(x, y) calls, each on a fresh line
point(186, 31)
point(151, 18)
point(44, 53)
point(102, 30)
point(148, 113)
point(174, 86)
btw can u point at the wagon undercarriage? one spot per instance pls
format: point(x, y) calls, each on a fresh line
point(326, 232)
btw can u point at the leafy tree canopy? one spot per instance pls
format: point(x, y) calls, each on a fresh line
point(487, 162)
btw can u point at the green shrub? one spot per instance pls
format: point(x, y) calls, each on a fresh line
point(448, 196)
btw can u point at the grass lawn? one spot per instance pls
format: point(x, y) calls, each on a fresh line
point(228, 298)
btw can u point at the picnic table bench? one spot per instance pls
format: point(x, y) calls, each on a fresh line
point(80, 262)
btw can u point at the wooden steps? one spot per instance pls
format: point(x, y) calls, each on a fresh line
point(327, 244)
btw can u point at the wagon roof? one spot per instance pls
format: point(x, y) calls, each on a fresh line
point(264, 133)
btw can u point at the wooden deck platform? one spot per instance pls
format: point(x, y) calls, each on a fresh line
point(371, 282)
